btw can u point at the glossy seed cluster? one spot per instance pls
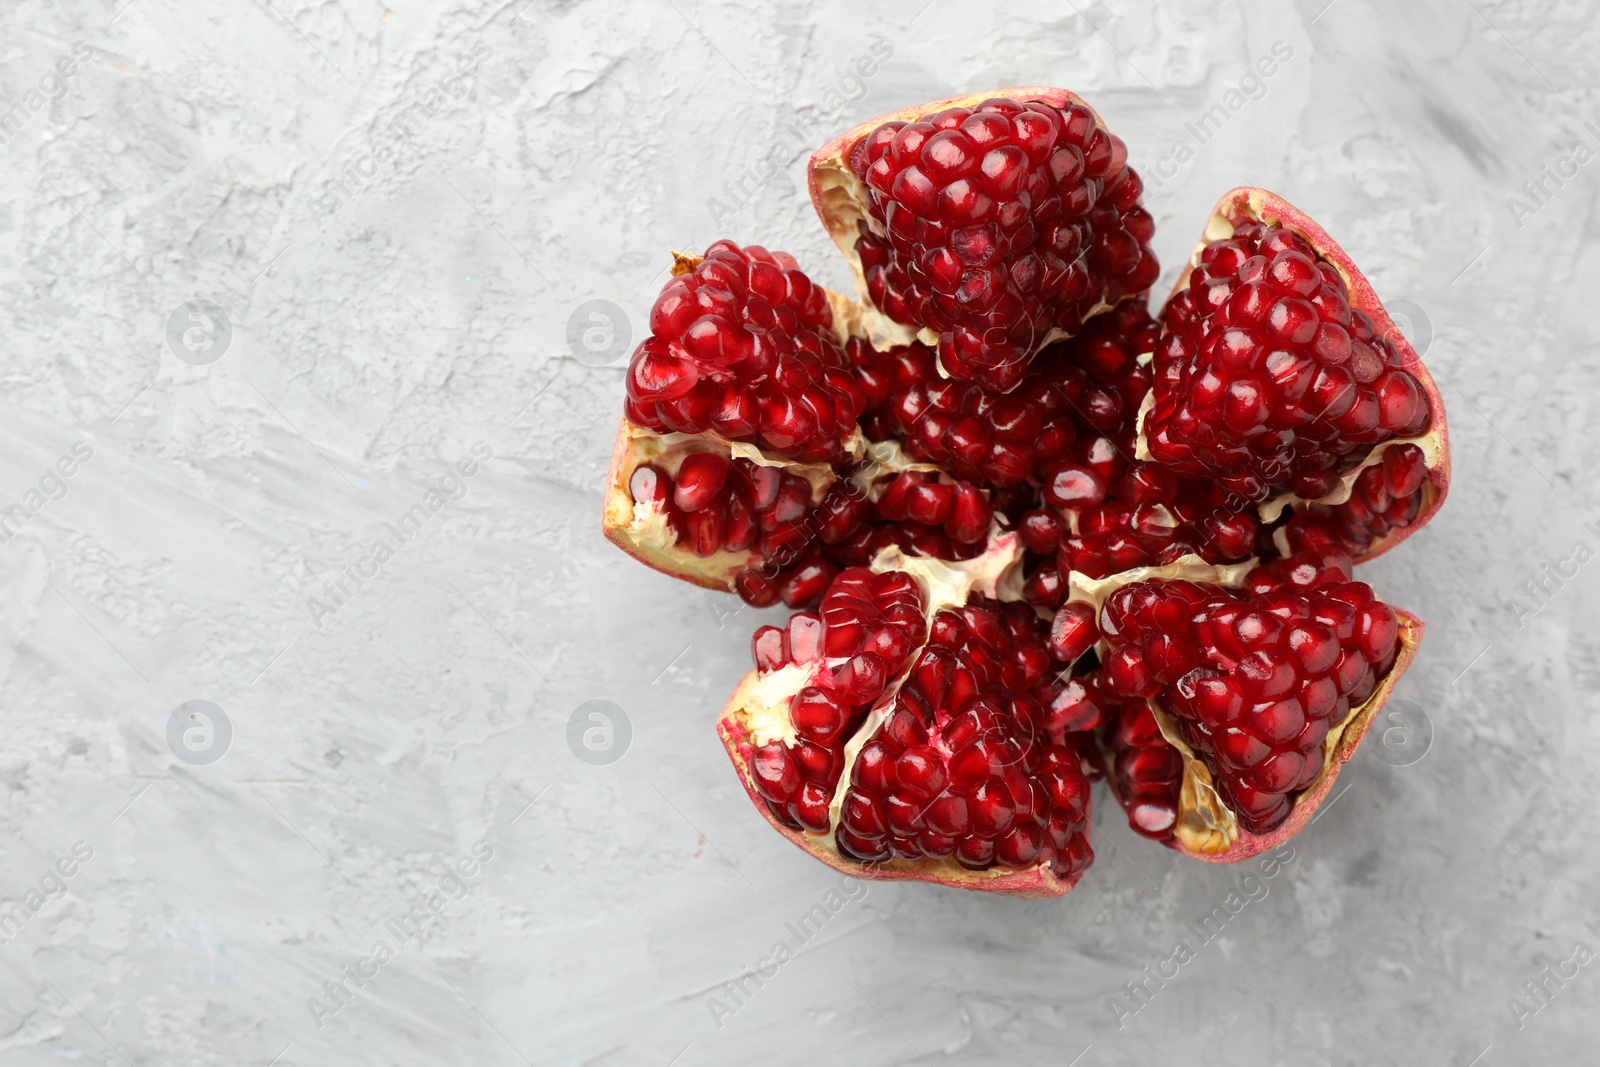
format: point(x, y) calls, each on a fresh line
point(1147, 770)
point(743, 345)
point(1266, 378)
point(1074, 395)
point(962, 765)
point(867, 628)
point(1385, 496)
point(1255, 678)
point(996, 224)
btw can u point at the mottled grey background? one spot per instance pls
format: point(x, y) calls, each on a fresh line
point(386, 315)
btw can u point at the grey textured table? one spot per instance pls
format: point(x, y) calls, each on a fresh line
point(387, 220)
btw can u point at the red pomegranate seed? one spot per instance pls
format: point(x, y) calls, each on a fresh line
point(803, 638)
point(1041, 531)
point(1073, 631)
point(650, 486)
point(807, 582)
point(769, 647)
point(776, 775)
point(700, 480)
point(818, 714)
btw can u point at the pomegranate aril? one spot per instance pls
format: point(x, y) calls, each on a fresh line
point(650, 486)
point(810, 807)
point(818, 714)
point(1073, 631)
point(769, 647)
point(705, 530)
point(806, 583)
point(775, 772)
point(755, 589)
point(700, 479)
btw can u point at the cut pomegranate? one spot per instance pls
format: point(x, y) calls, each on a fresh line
point(992, 225)
point(904, 739)
point(1046, 536)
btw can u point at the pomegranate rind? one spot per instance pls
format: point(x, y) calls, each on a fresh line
point(1247, 203)
point(1035, 882)
point(840, 197)
point(1195, 834)
point(643, 536)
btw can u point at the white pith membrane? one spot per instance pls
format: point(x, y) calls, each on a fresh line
point(843, 204)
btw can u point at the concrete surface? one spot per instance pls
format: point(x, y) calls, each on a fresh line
point(401, 212)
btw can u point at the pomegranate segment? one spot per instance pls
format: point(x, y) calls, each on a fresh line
point(1278, 370)
point(868, 627)
point(961, 765)
point(896, 734)
point(1264, 686)
point(687, 506)
point(1265, 375)
point(991, 225)
point(742, 344)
